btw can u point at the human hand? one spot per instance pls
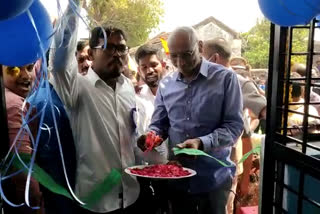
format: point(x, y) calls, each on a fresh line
point(141, 142)
point(149, 141)
point(195, 143)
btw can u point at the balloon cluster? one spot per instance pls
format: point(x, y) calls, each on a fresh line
point(21, 23)
point(290, 12)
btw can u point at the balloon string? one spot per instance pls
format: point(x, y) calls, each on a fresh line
point(54, 119)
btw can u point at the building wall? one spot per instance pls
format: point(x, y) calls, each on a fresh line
point(211, 31)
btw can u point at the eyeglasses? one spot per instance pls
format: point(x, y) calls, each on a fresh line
point(184, 55)
point(112, 49)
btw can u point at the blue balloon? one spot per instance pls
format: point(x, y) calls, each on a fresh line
point(287, 12)
point(314, 4)
point(19, 43)
point(318, 18)
point(12, 8)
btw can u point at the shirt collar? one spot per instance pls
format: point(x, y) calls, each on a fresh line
point(146, 91)
point(203, 70)
point(94, 78)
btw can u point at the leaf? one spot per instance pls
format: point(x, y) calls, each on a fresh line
point(136, 17)
point(253, 151)
point(255, 44)
point(188, 151)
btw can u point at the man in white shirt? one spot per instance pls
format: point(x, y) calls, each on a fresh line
point(99, 105)
point(150, 68)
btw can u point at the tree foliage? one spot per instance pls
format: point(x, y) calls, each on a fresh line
point(255, 44)
point(136, 17)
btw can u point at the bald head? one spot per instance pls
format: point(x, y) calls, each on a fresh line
point(299, 68)
point(185, 49)
point(217, 50)
point(187, 32)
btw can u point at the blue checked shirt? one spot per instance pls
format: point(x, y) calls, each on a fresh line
point(209, 108)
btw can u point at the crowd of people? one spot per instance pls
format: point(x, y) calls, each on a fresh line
point(198, 97)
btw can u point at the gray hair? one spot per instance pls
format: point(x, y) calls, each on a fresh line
point(221, 46)
point(193, 36)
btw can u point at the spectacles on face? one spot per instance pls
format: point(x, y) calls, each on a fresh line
point(112, 49)
point(185, 55)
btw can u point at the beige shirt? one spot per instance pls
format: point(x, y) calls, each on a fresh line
point(100, 120)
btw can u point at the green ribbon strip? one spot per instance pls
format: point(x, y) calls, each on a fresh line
point(100, 189)
point(189, 151)
point(253, 151)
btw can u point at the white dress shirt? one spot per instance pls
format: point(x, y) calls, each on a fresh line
point(104, 137)
point(145, 108)
point(100, 120)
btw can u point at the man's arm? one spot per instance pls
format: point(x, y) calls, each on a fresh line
point(14, 125)
point(160, 121)
point(231, 123)
point(253, 100)
point(62, 62)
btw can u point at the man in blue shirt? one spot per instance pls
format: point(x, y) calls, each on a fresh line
point(200, 107)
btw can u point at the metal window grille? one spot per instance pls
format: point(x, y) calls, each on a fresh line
point(291, 168)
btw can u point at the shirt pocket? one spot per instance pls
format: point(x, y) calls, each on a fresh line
point(209, 108)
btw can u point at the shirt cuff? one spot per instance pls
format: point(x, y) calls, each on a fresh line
point(156, 130)
point(209, 142)
point(206, 142)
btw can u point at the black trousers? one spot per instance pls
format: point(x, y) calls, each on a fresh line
point(214, 202)
point(152, 199)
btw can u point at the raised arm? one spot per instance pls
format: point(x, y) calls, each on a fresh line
point(62, 63)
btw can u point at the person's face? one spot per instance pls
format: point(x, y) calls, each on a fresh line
point(150, 69)
point(109, 63)
point(19, 79)
point(183, 54)
point(83, 60)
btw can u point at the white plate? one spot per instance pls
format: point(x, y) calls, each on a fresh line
point(127, 170)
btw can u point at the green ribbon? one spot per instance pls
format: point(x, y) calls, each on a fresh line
point(197, 152)
point(188, 151)
point(253, 151)
point(100, 189)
